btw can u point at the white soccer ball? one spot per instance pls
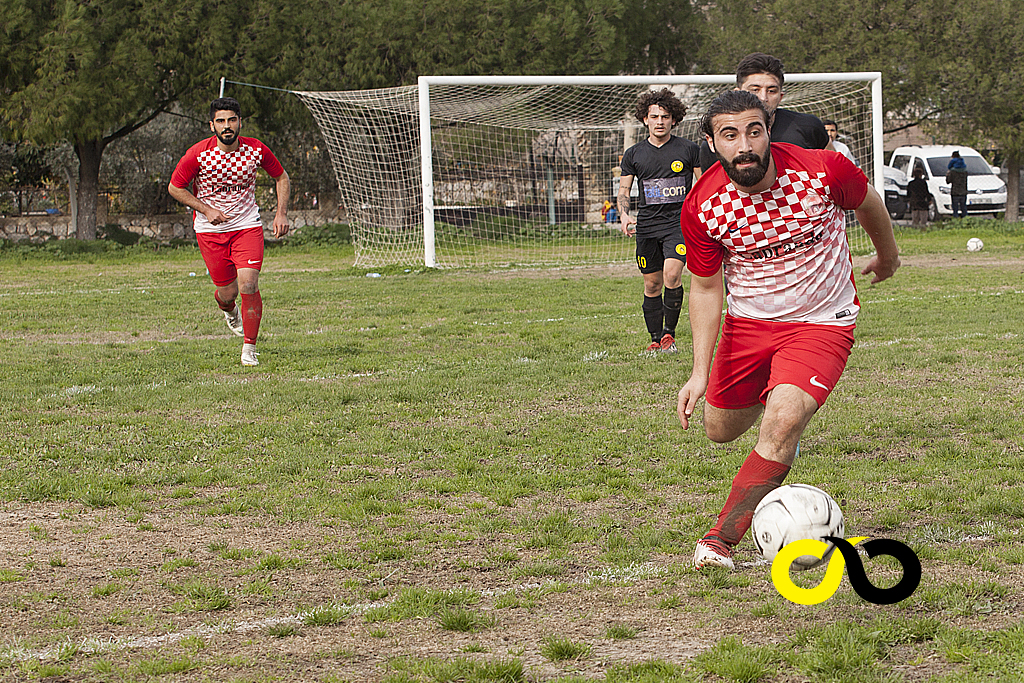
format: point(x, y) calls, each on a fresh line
point(792, 513)
point(974, 244)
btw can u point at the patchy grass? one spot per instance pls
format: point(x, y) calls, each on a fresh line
point(431, 469)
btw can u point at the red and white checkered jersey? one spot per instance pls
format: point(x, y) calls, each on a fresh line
point(784, 250)
point(226, 180)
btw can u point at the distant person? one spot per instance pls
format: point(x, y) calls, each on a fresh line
point(956, 176)
point(833, 133)
point(919, 197)
point(764, 76)
point(663, 167)
point(792, 305)
point(221, 171)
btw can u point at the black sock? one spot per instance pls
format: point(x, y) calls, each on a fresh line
point(673, 304)
point(654, 315)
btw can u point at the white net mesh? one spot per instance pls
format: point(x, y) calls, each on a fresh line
point(520, 172)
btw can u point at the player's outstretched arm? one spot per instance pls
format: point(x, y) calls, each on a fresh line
point(182, 195)
point(874, 217)
point(626, 222)
point(706, 295)
point(284, 190)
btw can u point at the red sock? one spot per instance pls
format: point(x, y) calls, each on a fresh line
point(756, 478)
point(252, 312)
point(226, 307)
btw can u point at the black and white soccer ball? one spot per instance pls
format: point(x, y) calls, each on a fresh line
point(792, 513)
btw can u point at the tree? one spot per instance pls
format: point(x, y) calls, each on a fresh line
point(956, 69)
point(981, 86)
point(91, 72)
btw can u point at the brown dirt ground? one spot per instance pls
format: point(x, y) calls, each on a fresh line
point(52, 603)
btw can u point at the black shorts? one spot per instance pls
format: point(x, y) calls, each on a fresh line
point(651, 252)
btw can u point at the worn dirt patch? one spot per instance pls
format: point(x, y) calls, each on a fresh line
point(60, 561)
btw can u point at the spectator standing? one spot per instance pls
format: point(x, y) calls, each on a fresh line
point(956, 176)
point(919, 198)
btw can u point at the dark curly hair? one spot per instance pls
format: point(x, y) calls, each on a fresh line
point(664, 98)
point(731, 102)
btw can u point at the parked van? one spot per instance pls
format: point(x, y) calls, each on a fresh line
point(986, 192)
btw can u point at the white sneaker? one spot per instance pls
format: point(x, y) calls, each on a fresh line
point(249, 355)
point(712, 552)
point(234, 321)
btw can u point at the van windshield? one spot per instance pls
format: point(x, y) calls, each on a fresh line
point(975, 166)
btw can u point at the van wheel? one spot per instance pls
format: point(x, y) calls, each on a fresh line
point(933, 211)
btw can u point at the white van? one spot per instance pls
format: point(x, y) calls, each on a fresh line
point(986, 192)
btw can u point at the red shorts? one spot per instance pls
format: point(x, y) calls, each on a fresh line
point(755, 356)
point(226, 252)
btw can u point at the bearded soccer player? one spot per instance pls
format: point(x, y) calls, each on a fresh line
point(770, 215)
point(764, 76)
point(222, 171)
point(662, 165)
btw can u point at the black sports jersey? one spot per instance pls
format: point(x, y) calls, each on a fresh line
point(802, 130)
point(664, 176)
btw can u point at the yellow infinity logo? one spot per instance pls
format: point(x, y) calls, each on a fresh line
point(847, 555)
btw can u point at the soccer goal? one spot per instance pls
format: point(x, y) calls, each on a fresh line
point(490, 171)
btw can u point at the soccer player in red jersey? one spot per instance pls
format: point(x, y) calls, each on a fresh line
point(771, 216)
point(222, 172)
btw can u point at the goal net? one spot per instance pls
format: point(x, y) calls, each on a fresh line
point(490, 171)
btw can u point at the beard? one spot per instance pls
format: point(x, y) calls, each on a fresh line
point(746, 177)
point(227, 137)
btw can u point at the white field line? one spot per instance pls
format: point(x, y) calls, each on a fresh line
point(89, 645)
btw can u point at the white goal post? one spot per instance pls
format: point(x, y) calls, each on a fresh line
point(499, 170)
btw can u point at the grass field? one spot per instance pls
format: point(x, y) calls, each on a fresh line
point(474, 475)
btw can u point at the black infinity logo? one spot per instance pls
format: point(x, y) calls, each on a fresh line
point(834, 573)
point(880, 546)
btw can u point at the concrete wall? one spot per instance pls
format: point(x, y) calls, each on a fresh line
point(159, 228)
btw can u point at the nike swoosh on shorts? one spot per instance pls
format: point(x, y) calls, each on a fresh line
point(815, 382)
point(252, 262)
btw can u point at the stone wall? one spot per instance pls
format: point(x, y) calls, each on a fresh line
point(159, 228)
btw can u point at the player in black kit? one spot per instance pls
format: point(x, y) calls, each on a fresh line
point(663, 166)
point(764, 76)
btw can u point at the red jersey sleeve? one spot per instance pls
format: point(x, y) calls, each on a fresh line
point(847, 183)
point(703, 254)
point(188, 167)
point(270, 164)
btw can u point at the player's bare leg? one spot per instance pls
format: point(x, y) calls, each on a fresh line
point(673, 273)
point(786, 414)
point(252, 312)
point(225, 297)
point(723, 425)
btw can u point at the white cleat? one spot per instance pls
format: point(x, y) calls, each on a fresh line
point(249, 355)
point(234, 321)
point(711, 552)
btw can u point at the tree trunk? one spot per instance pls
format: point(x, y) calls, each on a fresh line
point(89, 153)
point(1012, 188)
point(72, 196)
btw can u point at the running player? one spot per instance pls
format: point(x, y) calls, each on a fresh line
point(772, 216)
point(222, 170)
point(663, 166)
